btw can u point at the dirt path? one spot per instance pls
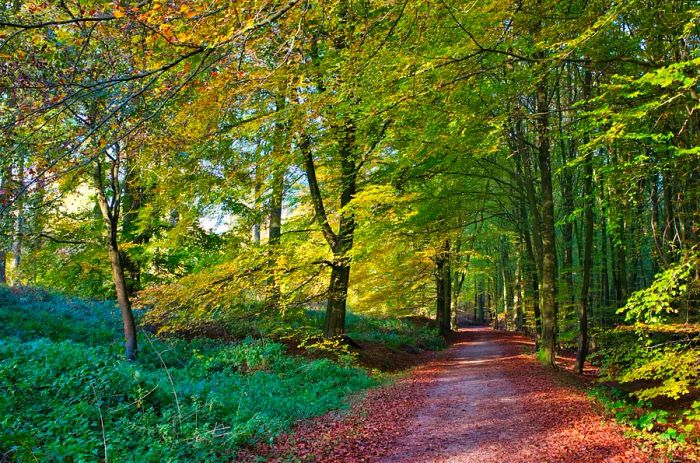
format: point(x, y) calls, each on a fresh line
point(485, 400)
point(491, 403)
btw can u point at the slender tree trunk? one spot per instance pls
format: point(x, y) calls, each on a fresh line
point(3, 267)
point(257, 187)
point(18, 223)
point(535, 290)
point(440, 301)
point(275, 231)
point(110, 216)
point(4, 185)
point(480, 303)
point(604, 273)
point(458, 281)
point(518, 291)
point(532, 271)
point(582, 350)
point(122, 295)
point(661, 256)
point(282, 145)
point(6, 176)
point(566, 183)
point(508, 289)
point(488, 298)
point(445, 320)
point(670, 216)
point(620, 265)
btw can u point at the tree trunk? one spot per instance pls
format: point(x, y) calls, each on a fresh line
point(488, 298)
point(338, 288)
point(440, 300)
point(518, 292)
point(3, 267)
point(18, 223)
point(340, 243)
point(566, 182)
point(445, 321)
point(620, 265)
point(282, 143)
point(508, 290)
point(257, 186)
point(661, 256)
point(582, 350)
point(110, 216)
point(275, 233)
point(122, 296)
point(4, 185)
point(337, 299)
point(549, 251)
point(480, 303)
point(604, 274)
point(476, 301)
point(458, 281)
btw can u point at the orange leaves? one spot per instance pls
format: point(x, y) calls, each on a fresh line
point(186, 11)
point(35, 8)
point(167, 31)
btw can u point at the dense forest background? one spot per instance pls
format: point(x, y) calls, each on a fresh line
point(263, 167)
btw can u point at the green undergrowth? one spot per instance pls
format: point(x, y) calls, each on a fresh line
point(669, 430)
point(67, 395)
point(300, 327)
point(391, 332)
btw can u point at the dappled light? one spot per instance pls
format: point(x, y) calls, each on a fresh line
point(349, 231)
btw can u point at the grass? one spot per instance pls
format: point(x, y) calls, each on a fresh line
point(66, 395)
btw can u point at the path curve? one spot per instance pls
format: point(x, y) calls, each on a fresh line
point(490, 402)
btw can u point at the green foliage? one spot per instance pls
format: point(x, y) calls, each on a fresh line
point(394, 332)
point(63, 386)
point(660, 354)
point(29, 314)
point(645, 421)
point(661, 364)
point(656, 303)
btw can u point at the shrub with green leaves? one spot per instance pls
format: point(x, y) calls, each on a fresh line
point(659, 347)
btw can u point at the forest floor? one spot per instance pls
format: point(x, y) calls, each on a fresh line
point(485, 399)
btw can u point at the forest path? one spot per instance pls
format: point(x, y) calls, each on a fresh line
point(486, 399)
point(491, 401)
